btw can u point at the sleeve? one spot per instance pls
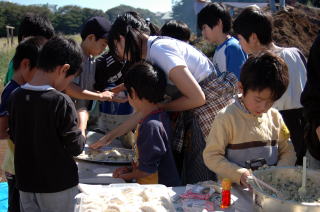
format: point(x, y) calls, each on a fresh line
point(214, 152)
point(5, 99)
point(235, 58)
point(4, 105)
point(151, 146)
point(101, 77)
point(107, 70)
point(9, 73)
point(67, 125)
point(287, 155)
point(166, 55)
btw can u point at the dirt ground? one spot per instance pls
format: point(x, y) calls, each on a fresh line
point(296, 27)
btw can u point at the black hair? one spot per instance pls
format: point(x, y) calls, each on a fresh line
point(212, 13)
point(253, 20)
point(131, 26)
point(28, 49)
point(176, 29)
point(265, 71)
point(154, 29)
point(59, 51)
point(35, 25)
point(148, 81)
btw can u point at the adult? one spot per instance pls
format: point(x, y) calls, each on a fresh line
point(202, 91)
point(310, 99)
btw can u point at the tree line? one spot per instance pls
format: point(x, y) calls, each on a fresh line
point(67, 19)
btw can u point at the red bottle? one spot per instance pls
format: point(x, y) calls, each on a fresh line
point(225, 193)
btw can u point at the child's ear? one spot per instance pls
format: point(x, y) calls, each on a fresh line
point(133, 93)
point(63, 69)
point(240, 87)
point(25, 64)
point(253, 38)
point(91, 37)
point(220, 24)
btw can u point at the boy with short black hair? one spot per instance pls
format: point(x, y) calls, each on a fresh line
point(43, 125)
point(31, 25)
point(176, 29)
point(153, 162)
point(249, 128)
point(215, 22)
point(24, 62)
point(254, 30)
point(94, 41)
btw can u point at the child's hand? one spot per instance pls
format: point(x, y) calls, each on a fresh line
point(105, 140)
point(120, 171)
point(106, 96)
point(244, 178)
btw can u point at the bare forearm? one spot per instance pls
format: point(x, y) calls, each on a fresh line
point(126, 126)
point(183, 103)
point(79, 93)
point(135, 174)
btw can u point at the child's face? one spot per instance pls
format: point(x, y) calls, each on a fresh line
point(245, 45)
point(258, 102)
point(120, 46)
point(211, 34)
point(96, 47)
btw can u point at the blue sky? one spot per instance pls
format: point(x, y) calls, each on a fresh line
point(152, 5)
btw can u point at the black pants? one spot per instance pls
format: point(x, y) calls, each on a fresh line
point(13, 194)
point(295, 122)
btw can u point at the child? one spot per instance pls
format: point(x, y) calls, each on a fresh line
point(153, 162)
point(24, 62)
point(215, 22)
point(43, 125)
point(177, 30)
point(254, 30)
point(31, 25)
point(249, 128)
point(94, 41)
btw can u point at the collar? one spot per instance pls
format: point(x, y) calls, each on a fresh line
point(240, 105)
point(150, 114)
point(27, 86)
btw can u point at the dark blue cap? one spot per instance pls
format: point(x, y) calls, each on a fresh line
point(99, 26)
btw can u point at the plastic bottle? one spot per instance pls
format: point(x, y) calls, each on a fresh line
point(225, 193)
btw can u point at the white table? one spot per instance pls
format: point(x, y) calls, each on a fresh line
point(98, 173)
point(244, 202)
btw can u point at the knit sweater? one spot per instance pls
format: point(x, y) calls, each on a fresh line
point(237, 136)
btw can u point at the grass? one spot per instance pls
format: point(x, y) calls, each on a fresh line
point(7, 52)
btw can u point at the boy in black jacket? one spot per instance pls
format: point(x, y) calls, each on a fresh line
point(43, 125)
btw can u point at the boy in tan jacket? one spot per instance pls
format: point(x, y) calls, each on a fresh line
point(249, 128)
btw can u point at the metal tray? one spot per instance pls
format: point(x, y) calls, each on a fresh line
point(101, 155)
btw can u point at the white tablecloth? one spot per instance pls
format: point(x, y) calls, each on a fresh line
point(98, 173)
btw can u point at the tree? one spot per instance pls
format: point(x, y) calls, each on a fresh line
point(114, 12)
point(180, 9)
point(69, 19)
